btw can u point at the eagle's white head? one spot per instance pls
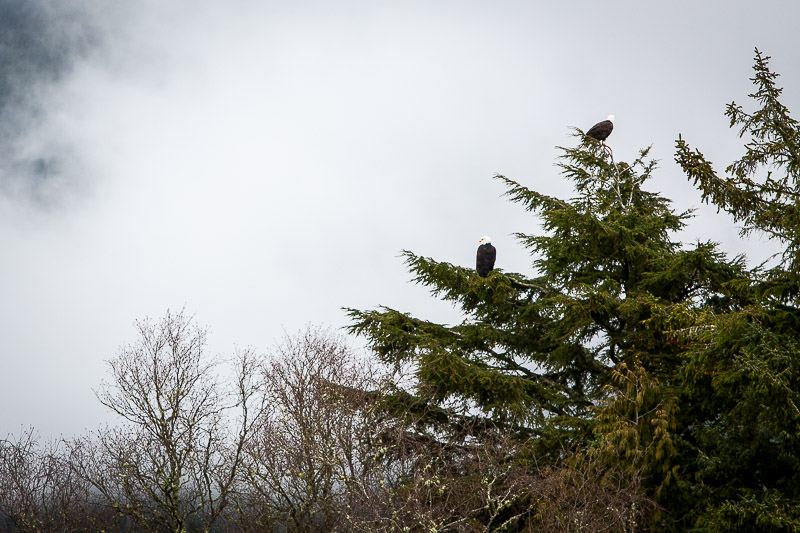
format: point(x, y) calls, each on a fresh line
point(485, 240)
point(611, 118)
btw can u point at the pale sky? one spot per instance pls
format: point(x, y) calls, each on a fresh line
point(264, 163)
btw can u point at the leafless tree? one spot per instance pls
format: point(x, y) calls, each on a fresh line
point(428, 484)
point(495, 483)
point(589, 495)
point(38, 489)
point(176, 456)
point(312, 450)
point(329, 456)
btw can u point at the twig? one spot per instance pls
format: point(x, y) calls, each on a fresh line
point(616, 177)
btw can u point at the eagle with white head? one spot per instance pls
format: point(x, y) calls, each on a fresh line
point(484, 263)
point(601, 130)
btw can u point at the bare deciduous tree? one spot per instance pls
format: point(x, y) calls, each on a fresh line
point(311, 453)
point(175, 458)
point(589, 495)
point(38, 489)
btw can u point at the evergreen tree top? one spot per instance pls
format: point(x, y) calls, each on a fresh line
point(538, 348)
point(762, 188)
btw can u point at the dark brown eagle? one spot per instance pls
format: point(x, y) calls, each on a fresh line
point(484, 263)
point(601, 130)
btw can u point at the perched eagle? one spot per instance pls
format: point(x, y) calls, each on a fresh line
point(601, 130)
point(484, 263)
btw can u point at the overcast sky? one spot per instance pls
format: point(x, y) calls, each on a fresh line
point(264, 163)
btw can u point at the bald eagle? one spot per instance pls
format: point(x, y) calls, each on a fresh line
point(484, 263)
point(601, 130)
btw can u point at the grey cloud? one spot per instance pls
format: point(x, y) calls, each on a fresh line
point(40, 42)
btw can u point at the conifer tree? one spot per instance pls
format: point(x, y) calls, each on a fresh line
point(624, 347)
point(741, 380)
point(536, 352)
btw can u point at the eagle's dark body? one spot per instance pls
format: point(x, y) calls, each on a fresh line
point(484, 262)
point(601, 130)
